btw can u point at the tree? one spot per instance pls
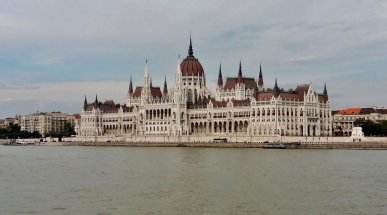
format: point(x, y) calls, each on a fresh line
point(36, 134)
point(13, 128)
point(371, 128)
point(68, 129)
point(14, 131)
point(359, 122)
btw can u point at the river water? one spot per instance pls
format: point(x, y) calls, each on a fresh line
point(130, 180)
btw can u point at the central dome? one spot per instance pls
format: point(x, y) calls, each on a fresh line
point(191, 65)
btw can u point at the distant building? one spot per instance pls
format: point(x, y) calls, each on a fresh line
point(46, 123)
point(241, 106)
point(343, 120)
point(5, 123)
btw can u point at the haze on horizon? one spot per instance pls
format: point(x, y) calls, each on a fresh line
point(54, 52)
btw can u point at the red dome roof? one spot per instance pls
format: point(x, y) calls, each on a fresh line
point(191, 67)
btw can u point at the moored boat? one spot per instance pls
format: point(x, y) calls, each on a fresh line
point(274, 146)
point(14, 142)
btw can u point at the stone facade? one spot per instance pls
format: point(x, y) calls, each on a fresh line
point(241, 107)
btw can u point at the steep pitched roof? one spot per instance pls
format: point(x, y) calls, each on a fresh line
point(301, 89)
point(250, 83)
point(296, 95)
point(137, 92)
point(155, 92)
point(264, 96)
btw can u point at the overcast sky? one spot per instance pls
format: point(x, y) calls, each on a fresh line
point(53, 52)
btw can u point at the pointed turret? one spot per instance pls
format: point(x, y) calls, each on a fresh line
point(146, 68)
point(85, 103)
point(240, 77)
point(151, 85)
point(325, 93)
point(276, 89)
point(165, 90)
point(178, 74)
point(146, 86)
point(96, 101)
point(260, 79)
point(130, 91)
point(220, 78)
point(178, 83)
point(190, 50)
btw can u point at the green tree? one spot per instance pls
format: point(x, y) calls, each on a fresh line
point(359, 122)
point(68, 129)
point(371, 128)
point(14, 131)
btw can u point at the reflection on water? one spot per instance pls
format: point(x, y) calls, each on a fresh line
point(103, 180)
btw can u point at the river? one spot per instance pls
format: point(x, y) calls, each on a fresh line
point(168, 180)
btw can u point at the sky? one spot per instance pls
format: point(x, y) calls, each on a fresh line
point(54, 52)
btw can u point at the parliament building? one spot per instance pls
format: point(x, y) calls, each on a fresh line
point(240, 106)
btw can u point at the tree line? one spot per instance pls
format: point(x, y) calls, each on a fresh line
point(372, 128)
point(14, 131)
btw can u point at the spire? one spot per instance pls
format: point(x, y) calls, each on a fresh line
point(325, 89)
point(240, 77)
point(260, 79)
point(220, 78)
point(325, 93)
point(151, 85)
point(190, 51)
point(178, 74)
point(260, 70)
point(96, 101)
point(146, 85)
point(130, 91)
point(146, 68)
point(85, 103)
point(165, 90)
point(145, 90)
point(276, 90)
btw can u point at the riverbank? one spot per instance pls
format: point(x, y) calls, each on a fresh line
point(337, 145)
point(356, 145)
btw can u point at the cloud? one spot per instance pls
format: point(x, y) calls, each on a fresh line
point(67, 97)
point(63, 49)
point(45, 59)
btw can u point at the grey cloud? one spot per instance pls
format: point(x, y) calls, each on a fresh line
point(17, 87)
point(297, 41)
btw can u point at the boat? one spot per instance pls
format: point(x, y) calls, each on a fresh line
point(281, 145)
point(14, 142)
point(274, 146)
point(220, 140)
